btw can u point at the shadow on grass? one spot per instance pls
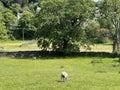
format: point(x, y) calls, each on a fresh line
point(107, 44)
point(44, 58)
point(59, 81)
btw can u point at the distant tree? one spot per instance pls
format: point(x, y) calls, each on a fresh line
point(25, 26)
point(60, 24)
point(110, 19)
point(104, 36)
point(92, 31)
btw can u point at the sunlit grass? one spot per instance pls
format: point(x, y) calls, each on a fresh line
point(99, 48)
point(44, 74)
point(15, 46)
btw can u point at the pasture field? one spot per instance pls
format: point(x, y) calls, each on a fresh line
point(15, 46)
point(85, 73)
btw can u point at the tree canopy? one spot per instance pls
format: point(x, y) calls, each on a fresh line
point(60, 24)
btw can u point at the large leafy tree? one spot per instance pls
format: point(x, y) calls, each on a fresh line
point(60, 24)
point(110, 11)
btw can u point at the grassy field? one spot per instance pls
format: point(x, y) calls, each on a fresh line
point(85, 73)
point(15, 46)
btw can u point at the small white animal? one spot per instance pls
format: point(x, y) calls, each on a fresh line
point(64, 76)
point(34, 58)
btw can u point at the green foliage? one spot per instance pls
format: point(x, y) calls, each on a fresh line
point(24, 2)
point(1, 18)
point(7, 3)
point(110, 10)
point(60, 24)
point(25, 23)
point(92, 31)
point(103, 36)
point(1, 6)
point(16, 8)
point(97, 34)
point(33, 7)
point(3, 32)
point(9, 18)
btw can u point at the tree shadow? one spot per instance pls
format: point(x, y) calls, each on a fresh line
point(60, 81)
point(42, 58)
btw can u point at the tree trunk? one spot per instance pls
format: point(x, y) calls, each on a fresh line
point(114, 45)
point(116, 39)
point(65, 44)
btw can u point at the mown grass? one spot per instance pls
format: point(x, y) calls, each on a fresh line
point(85, 73)
point(15, 46)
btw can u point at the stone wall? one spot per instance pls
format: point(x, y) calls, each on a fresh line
point(51, 53)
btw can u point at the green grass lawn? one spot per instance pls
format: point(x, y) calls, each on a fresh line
point(15, 46)
point(85, 73)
